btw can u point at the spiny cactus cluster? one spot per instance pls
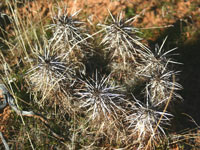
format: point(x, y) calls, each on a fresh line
point(103, 98)
point(99, 96)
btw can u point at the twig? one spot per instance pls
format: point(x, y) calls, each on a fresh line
point(4, 141)
point(10, 100)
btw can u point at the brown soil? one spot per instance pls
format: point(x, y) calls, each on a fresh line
point(155, 12)
point(4, 118)
point(152, 13)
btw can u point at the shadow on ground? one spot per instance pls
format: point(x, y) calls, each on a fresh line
point(189, 78)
